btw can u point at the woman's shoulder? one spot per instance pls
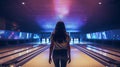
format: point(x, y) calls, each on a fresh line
point(52, 33)
point(68, 37)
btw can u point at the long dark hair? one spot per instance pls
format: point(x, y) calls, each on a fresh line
point(60, 32)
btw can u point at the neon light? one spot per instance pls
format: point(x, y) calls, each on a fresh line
point(76, 40)
point(88, 36)
point(43, 41)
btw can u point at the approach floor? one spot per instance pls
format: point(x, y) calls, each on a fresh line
point(78, 59)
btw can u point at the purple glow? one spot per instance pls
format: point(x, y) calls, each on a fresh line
point(100, 3)
point(61, 7)
point(64, 10)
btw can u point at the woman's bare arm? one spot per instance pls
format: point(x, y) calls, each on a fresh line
point(50, 52)
point(69, 52)
point(51, 49)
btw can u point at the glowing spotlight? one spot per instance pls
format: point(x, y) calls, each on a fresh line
point(62, 11)
point(100, 3)
point(60, 16)
point(62, 7)
point(12, 65)
point(23, 3)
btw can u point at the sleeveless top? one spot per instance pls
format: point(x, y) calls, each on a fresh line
point(62, 45)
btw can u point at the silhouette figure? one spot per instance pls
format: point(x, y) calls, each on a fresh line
point(60, 47)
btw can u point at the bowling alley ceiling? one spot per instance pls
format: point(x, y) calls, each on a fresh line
point(78, 15)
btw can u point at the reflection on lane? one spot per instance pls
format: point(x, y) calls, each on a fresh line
point(109, 51)
point(100, 52)
point(103, 53)
point(12, 52)
point(16, 55)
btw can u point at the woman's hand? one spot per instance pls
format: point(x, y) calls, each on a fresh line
point(50, 60)
point(69, 60)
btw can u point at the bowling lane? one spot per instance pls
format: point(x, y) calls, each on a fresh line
point(3, 60)
point(79, 59)
point(104, 52)
point(13, 51)
point(103, 49)
point(10, 48)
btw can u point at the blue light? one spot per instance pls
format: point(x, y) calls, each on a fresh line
point(35, 36)
point(76, 40)
point(104, 35)
point(27, 35)
point(71, 41)
point(88, 36)
point(43, 41)
point(2, 31)
point(47, 41)
point(48, 25)
point(94, 36)
point(20, 35)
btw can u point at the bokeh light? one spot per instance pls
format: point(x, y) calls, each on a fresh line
point(61, 7)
